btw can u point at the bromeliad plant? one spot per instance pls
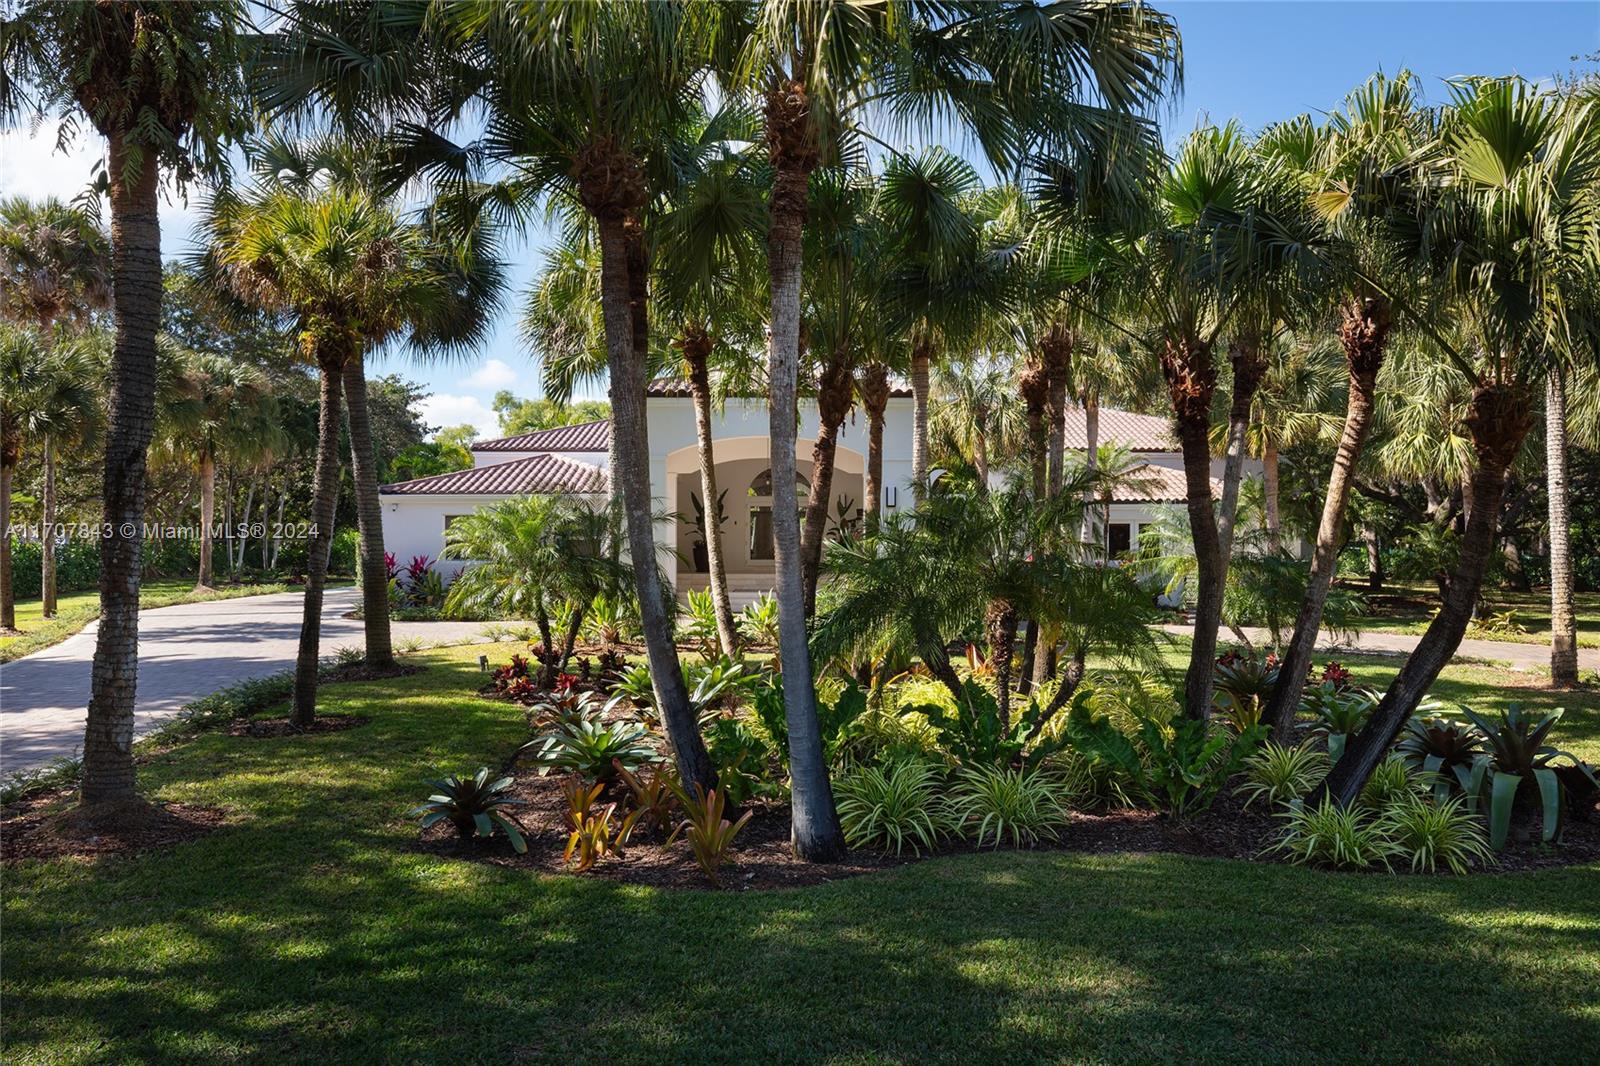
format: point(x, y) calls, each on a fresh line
point(1340, 713)
point(710, 835)
point(1445, 750)
point(1516, 762)
point(1243, 685)
point(592, 748)
point(475, 806)
point(595, 833)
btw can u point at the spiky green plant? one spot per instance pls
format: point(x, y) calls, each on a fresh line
point(475, 806)
point(892, 806)
point(1431, 833)
point(1344, 838)
point(1280, 774)
point(1390, 783)
point(994, 803)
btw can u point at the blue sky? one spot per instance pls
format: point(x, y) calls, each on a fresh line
point(1254, 61)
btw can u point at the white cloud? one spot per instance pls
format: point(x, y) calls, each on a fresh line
point(493, 374)
point(31, 166)
point(445, 409)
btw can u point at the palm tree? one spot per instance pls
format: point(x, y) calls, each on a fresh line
point(1358, 176)
point(1563, 620)
point(973, 415)
point(67, 409)
point(1515, 183)
point(161, 82)
point(350, 274)
point(22, 364)
point(214, 408)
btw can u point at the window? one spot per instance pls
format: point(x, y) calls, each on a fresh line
point(761, 533)
point(762, 485)
point(1119, 536)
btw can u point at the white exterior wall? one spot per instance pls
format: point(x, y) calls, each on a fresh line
point(414, 525)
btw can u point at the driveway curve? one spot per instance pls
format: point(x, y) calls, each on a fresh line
point(185, 652)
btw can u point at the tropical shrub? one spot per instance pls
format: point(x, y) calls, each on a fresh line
point(1243, 685)
point(699, 616)
point(1343, 838)
point(722, 682)
point(758, 622)
point(710, 835)
point(594, 830)
point(1391, 782)
point(994, 803)
point(1445, 750)
point(893, 805)
point(592, 748)
point(742, 758)
point(608, 620)
point(1518, 761)
point(475, 806)
point(1280, 774)
point(972, 734)
point(836, 718)
point(1431, 833)
point(1180, 763)
point(1339, 712)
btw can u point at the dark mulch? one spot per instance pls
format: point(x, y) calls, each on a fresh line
point(47, 826)
point(761, 857)
point(282, 727)
point(362, 672)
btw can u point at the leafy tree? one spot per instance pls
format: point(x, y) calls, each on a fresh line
point(518, 416)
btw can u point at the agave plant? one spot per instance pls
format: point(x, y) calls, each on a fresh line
point(1442, 749)
point(1517, 760)
point(475, 805)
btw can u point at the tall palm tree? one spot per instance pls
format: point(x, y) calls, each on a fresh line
point(22, 364)
point(1563, 620)
point(1358, 174)
point(66, 410)
point(215, 408)
point(161, 82)
point(350, 274)
point(1515, 180)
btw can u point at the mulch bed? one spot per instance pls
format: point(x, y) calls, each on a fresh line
point(260, 728)
point(761, 858)
point(362, 672)
point(45, 826)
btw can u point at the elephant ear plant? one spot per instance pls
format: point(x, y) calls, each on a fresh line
point(1517, 758)
point(476, 806)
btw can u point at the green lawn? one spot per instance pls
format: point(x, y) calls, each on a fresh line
point(312, 930)
point(1532, 614)
point(74, 610)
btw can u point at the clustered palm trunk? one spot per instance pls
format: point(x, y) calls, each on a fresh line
point(208, 510)
point(612, 188)
point(369, 515)
point(1498, 420)
point(331, 360)
point(834, 387)
point(695, 345)
point(10, 455)
point(1249, 366)
point(1363, 332)
point(1034, 385)
point(874, 390)
point(1191, 382)
point(921, 360)
point(108, 771)
point(1563, 622)
point(815, 833)
point(47, 542)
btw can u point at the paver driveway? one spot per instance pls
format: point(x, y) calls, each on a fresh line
point(184, 653)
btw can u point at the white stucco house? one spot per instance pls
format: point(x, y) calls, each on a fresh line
point(574, 459)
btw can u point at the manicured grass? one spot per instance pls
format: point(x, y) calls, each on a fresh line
point(313, 930)
point(1532, 614)
point(74, 610)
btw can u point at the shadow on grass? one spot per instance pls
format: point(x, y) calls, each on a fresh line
point(313, 932)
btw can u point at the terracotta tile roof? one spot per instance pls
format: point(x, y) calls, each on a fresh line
point(535, 474)
point(1148, 483)
point(677, 387)
point(1136, 432)
point(583, 437)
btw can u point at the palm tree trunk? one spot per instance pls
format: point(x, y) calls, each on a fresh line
point(980, 462)
point(1364, 332)
point(1091, 456)
point(208, 510)
point(324, 500)
point(815, 834)
point(1369, 534)
point(47, 540)
point(631, 475)
point(1269, 474)
point(8, 603)
point(369, 515)
point(921, 359)
point(1248, 368)
point(1001, 623)
point(1034, 386)
point(236, 561)
point(1191, 382)
point(1563, 622)
point(1498, 419)
point(833, 406)
point(1057, 353)
point(108, 772)
point(875, 399)
point(696, 347)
